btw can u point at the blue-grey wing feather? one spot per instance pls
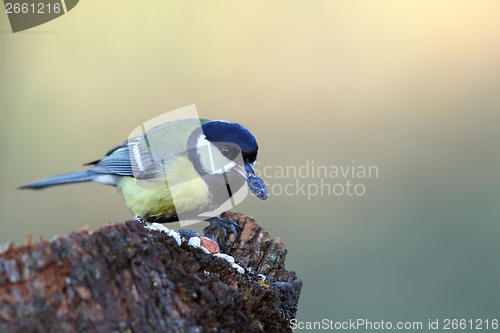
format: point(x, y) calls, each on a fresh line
point(143, 156)
point(120, 161)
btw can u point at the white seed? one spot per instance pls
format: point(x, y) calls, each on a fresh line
point(205, 249)
point(157, 226)
point(194, 241)
point(225, 256)
point(238, 268)
point(162, 228)
point(176, 236)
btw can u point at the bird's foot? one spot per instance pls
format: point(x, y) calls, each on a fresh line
point(221, 223)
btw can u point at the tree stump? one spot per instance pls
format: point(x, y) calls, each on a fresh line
point(127, 278)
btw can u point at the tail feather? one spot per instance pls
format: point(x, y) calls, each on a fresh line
point(68, 178)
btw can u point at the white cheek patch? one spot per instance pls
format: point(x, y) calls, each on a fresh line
point(204, 152)
point(202, 141)
point(229, 166)
point(212, 161)
point(211, 156)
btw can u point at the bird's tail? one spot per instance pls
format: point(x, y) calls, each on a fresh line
point(68, 178)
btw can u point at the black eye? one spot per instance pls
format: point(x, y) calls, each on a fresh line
point(225, 151)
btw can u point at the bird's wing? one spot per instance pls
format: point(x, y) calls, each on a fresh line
point(128, 159)
point(143, 156)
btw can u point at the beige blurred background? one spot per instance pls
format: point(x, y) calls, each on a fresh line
point(410, 87)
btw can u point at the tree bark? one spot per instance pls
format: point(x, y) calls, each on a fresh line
point(127, 278)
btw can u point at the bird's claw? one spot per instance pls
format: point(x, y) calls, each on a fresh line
point(221, 223)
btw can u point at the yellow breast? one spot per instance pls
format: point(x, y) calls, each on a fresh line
point(181, 191)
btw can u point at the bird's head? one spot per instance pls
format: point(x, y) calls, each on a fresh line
point(226, 148)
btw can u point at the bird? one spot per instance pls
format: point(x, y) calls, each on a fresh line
point(178, 170)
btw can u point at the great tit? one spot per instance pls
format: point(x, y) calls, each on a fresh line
point(177, 170)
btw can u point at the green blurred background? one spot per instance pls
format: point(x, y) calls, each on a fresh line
point(410, 87)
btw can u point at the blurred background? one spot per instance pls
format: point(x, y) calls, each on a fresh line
point(412, 88)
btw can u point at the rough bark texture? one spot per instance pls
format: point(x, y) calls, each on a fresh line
point(126, 278)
